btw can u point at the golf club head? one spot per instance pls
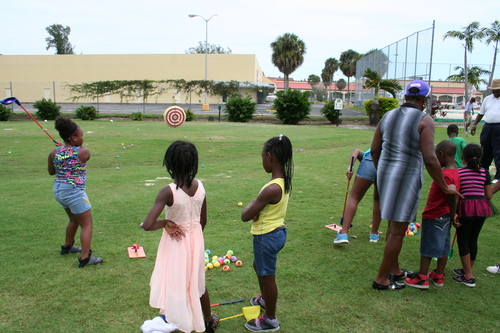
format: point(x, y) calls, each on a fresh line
point(10, 100)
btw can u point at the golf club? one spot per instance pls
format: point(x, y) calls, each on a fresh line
point(347, 191)
point(450, 254)
point(230, 302)
point(10, 100)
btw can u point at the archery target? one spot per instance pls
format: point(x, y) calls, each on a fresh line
point(174, 116)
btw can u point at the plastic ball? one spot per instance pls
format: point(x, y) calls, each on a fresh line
point(233, 258)
point(214, 258)
point(206, 261)
point(227, 261)
point(417, 225)
point(210, 266)
point(228, 255)
point(239, 263)
point(117, 168)
point(415, 232)
point(226, 268)
point(221, 261)
point(240, 203)
point(207, 251)
point(230, 252)
point(216, 265)
point(411, 233)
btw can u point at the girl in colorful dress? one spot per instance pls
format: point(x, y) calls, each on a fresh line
point(68, 162)
point(475, 186)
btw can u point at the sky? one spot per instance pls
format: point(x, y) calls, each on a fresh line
point(328, 27)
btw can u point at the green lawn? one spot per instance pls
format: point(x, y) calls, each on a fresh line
point(322, 287)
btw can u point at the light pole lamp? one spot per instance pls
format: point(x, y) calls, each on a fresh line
point(206, 46)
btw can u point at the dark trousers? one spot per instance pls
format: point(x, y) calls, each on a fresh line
point(490, 141)
point(467, 235)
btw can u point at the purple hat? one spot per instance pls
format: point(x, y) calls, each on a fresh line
point(418, 88)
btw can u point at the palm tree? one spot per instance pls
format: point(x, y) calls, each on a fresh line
point(347, 63)
point(493, 36)
point(374, 81)
point(327, 78)
point(313, 80)
point(288, 54)
point(331, 66)
point(468, 35)
point(474, 74)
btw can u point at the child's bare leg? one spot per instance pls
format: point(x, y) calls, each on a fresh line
point(205, 306)
point(425, 263)
point(71, 228)
point(85, 222)
point(441, 264)
point(358, 191)
point(270, 294)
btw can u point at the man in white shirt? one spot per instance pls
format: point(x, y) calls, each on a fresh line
point(490, 135)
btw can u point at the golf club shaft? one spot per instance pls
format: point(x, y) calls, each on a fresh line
point(230, 302)
point(36, 121)
point(347, 191)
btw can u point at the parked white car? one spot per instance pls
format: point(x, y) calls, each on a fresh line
point(270, 98)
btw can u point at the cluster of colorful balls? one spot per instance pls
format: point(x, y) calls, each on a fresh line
point(223, 261)
point(412, 229)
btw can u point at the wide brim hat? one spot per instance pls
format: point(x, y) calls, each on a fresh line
point(495, 84)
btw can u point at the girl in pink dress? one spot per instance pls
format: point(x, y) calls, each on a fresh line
point(178, 280)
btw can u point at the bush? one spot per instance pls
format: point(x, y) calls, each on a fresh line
point(190, 116)
point(137, 116)
point(5, 113)
point(47, 109)
point(86, 112)
point(240, 109)
point(292, 106)
point(386, 104)
point(328, 111)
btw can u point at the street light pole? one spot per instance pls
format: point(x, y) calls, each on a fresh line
point(206, 47)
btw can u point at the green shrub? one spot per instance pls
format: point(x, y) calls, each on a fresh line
point(86, 112)
point(240, 109)
point(292, 106)
point(328, 111)
point(386, 104)
point(190, 116)
point(137, 116)
point(47, 109)
point(5, 113)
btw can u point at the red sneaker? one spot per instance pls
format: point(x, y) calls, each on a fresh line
point(418, 280)
point(438, 279)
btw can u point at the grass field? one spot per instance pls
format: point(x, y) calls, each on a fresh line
point(322, 287)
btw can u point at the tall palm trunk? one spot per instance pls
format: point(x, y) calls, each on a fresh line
point(466, 74)
point(494, 64)
point(348, 92)
point(286, 82)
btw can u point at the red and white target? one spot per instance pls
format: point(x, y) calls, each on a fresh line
point(174, 116)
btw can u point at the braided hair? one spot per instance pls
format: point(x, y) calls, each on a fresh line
point(181, 161)
point(471, 154)
point(66, 128)
point(281, 148)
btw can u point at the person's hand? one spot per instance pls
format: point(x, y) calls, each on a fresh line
point(456, 221)
point(452, 189)
point(174, 230)
point(349, 174)
point(473, 130)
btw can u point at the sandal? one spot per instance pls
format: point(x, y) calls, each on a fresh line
point(211, 326)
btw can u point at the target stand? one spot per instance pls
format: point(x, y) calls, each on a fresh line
point(174, 116)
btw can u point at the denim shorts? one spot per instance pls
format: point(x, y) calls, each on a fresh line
point(435, 237)
point(72, 197)
point(265, 250)
point(366, 169)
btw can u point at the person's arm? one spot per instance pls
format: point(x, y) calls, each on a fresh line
point(203, 215)
point(488, 191)
point(431, 162)
point(50, 162)
point(495, 188)
point(474, 124)
point(376, 147)
point(165, 197)
point(357, 154)
point(84, 154)
point(269, 195)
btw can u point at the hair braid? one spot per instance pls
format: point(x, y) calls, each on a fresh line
point(181, 161)
point(281, 148)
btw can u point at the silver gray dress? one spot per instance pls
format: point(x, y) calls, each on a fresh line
point(400, 167)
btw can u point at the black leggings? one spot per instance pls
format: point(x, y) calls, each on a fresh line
point(467, 235)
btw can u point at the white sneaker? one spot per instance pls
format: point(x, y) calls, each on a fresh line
point(494, 181)
point(494, 269)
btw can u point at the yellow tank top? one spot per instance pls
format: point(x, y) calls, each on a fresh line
point(272, 216)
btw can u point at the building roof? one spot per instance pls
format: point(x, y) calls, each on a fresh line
point(452, 91)
point(304, 85)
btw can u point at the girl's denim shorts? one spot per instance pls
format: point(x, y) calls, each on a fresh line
point(366, 169)
point(265, 250)
point(72, 197)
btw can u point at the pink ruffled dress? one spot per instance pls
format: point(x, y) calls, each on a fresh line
point(178, 279)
